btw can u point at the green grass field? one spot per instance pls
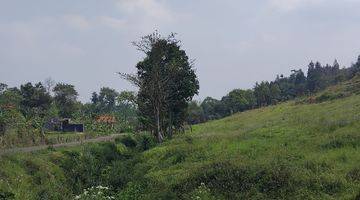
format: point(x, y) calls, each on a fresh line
point(300, 151)
point(289, 151)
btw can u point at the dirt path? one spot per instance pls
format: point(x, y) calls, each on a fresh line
point(70, 144)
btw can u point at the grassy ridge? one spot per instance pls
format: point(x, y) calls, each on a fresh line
point(289, 151)
point(300, 151)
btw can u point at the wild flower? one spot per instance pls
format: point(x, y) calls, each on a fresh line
point(95, 193)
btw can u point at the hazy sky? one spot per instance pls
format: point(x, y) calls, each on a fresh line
point(235, 42)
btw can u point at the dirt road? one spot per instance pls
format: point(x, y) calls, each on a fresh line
point(70, 144)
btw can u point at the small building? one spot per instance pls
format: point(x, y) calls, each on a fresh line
point(64, 125)
point(67, 126)
point(106, 119)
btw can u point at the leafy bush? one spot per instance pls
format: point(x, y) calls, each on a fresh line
point(86, 168)
point(229, 181)
point(133, 191)
point(328, 96)
point(145, 141)
point(128, 141)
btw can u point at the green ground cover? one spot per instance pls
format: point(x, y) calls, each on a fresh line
point(288, 151)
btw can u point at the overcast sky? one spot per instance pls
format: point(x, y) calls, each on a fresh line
point(235, 42)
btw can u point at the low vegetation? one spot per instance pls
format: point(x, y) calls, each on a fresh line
point(287, 151)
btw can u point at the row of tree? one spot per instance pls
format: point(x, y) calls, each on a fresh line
point(36, 100)
point(36, 104)
point(265, 93)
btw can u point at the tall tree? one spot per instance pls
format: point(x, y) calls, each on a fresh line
point(355, 68)
point(239, 100)
point(262, 93)
point(195, 113)
point(275, 93)
point(49, 83)
point(127, 98)
point(35, 99)
point(313, 77)
point(213, 108)
point(107, 99)
point(3, 87)
point(94, 98)
point(65, 99)
point(166, 81)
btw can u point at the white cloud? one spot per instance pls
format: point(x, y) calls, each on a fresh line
point(112, 22)
point(289, 5)
point(150, 8)
point(36, 40)
point(143, 16)
point(77, 21)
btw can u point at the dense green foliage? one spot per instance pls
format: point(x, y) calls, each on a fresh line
point(294, 150)
point(65, 99)
point(25, 112)
point(166, 81)
point(270, 93)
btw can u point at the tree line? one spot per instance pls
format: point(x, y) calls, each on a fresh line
point(265, 93)
point(32, 105)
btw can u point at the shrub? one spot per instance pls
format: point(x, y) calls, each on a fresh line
point(145, 142)
point(230, 181)
point(118, 174)
point(105, 152)
point(128, 141)
point(133, 191)
point(328, 96)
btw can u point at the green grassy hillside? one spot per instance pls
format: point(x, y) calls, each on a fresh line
point(304, 151)
point(294, 150)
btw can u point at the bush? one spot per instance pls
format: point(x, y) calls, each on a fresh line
point(105, 152)
point(87, 168)
point(128, 141)
point(145, 141)
point(328, 96)
point(230, 181)
point(131, 192)
point(118, 174)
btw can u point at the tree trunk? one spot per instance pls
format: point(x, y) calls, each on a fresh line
point(159, 135)
point(170, 125)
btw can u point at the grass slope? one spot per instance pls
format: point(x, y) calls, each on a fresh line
point(293, 150)
point(304, 151)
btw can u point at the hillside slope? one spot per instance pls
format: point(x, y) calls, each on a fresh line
point(293, 150)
